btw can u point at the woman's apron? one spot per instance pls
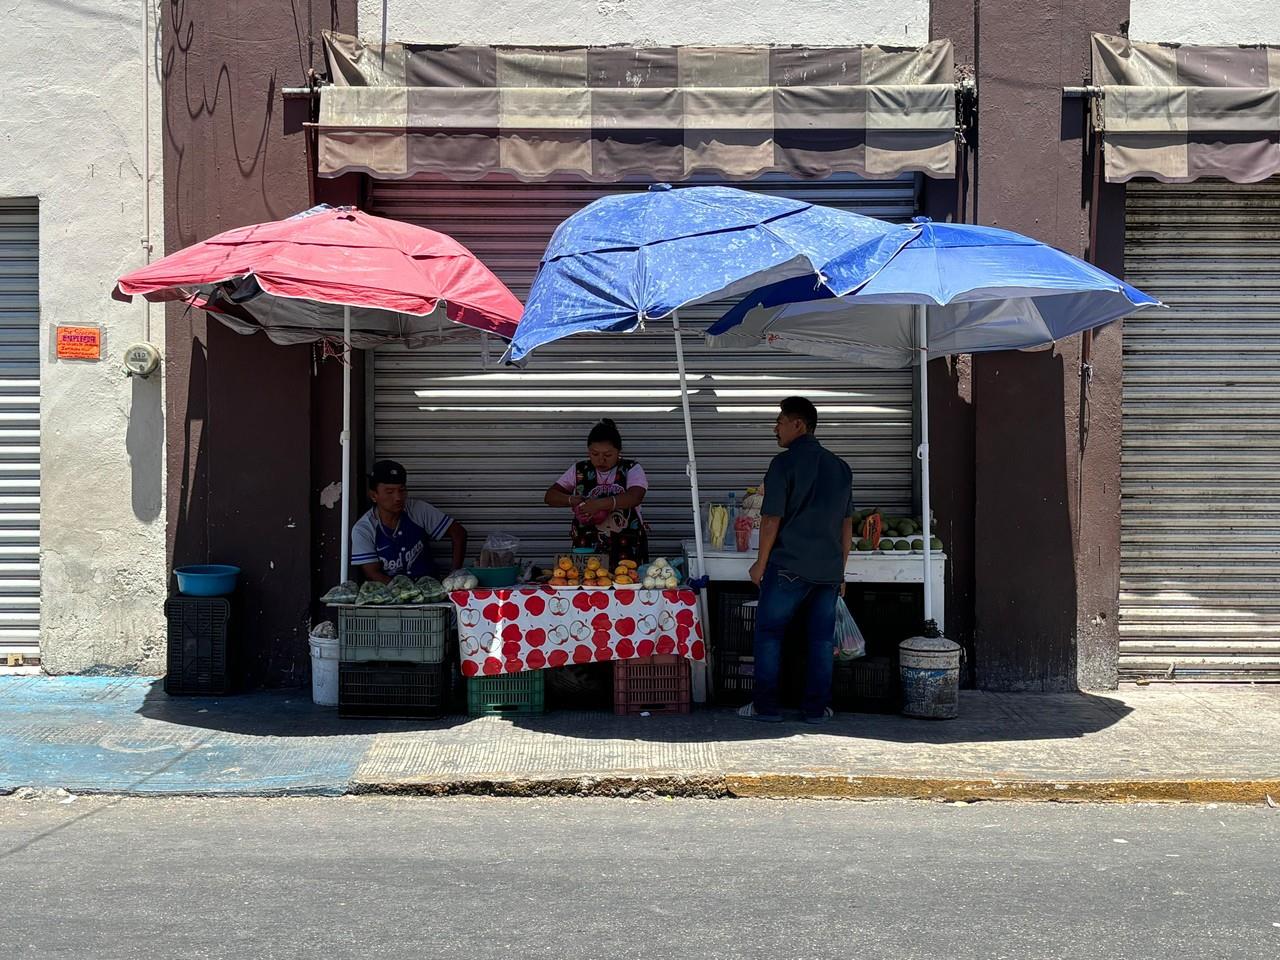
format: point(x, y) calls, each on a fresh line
point(622, 535)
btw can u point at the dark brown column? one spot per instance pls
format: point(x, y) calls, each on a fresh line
point(1046, 554)
point(951, 413)
point(240, 408)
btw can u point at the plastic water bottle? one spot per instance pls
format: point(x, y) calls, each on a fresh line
point(731, 540)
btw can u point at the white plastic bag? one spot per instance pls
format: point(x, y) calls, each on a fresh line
point(499, 550)
point(850, 644)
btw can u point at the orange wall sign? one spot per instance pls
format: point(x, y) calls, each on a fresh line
point(79, 343)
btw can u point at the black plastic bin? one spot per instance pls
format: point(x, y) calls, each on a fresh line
point(202, 652)
point(400, 690)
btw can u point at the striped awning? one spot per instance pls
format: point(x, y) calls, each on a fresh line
point(1179, 112)
point(666, 113)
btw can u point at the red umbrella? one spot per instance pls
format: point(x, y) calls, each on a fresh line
point(292, 278)
point(333, 274)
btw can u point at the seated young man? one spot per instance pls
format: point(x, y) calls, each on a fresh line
point(394, 537)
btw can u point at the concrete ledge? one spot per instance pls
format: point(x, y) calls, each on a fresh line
point(826, 786)
point(934, 788)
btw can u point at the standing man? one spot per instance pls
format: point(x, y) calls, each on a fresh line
point(394, 537)
point(806, 532)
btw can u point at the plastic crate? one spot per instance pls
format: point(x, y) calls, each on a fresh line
point(656, 684)
point(398, 690)
point(866, 685)
point(511, 694)
point(411, 634)
point(733, 623)
point(886, 614)
point(199, 659)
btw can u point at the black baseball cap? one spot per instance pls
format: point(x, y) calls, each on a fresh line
point(387, 471)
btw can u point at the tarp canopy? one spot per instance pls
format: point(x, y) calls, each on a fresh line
point(664, 113)
point(1179, 112)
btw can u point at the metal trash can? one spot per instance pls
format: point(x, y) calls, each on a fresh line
point(929, 668)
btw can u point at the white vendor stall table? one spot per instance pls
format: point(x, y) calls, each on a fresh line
point(732, 566)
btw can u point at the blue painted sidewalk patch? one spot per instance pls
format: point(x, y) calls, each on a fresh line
point(126, 735)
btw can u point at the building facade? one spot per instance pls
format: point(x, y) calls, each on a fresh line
point(1074, 488)
point(82, 500)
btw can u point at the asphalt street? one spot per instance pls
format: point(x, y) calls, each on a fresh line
point(365, 877)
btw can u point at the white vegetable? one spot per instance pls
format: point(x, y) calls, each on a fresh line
point(660, 562)
point(650, 583)
point(470, 583)
point(672, 583)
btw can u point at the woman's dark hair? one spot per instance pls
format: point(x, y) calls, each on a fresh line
point(798, 408)
point(606, 431)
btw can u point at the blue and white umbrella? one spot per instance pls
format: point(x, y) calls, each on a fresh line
point(630, 258)
point(953, 288)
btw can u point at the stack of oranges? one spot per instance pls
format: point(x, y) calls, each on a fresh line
point(597, 574)
point(626, 573)
point(566, 574)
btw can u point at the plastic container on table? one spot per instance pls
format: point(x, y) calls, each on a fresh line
point(493, 577)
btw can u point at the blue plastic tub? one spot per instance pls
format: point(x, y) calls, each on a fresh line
point(207, 580)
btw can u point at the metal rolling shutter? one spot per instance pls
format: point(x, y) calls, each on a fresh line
point(19, 428)
point(485, 443)
point(1200, 480)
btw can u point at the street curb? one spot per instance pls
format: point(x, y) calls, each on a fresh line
point(832, 787)
point(989, 789)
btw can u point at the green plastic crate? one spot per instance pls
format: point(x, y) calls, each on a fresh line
point(511, 694)
point(395, 634)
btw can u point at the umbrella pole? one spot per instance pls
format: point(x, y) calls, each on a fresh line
point(345, 572)
point(922, 337)
point(698, 673)
point(691, 467)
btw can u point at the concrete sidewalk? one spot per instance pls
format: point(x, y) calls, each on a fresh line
point(125, 736)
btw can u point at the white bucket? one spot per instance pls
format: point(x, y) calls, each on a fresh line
point(930, 671)
point(324, 670)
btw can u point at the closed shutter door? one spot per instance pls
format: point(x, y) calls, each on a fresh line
point(1200, 521)
point(19, 428)
point(484, 442)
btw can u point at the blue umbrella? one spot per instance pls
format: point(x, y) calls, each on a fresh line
point(632, 257)
point(953, 288)
point(628, 258)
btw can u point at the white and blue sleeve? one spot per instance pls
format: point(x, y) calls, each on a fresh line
point(430, 518)
point(363, 542)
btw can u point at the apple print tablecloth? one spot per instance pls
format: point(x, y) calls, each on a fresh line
point(531, 628)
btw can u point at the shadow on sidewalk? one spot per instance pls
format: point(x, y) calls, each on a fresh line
point(984, 718)
point(272, 713)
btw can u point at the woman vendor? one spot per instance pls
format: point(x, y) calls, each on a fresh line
point(604, 493)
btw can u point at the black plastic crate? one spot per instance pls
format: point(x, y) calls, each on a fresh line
point(866, 685)
point(886, 614)
point(200, 655)
point(409, 691)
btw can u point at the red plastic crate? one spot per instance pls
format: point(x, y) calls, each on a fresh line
point(657, 684)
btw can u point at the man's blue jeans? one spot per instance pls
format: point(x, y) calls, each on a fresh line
point(783, 598)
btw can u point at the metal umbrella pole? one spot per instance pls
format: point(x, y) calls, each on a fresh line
point(698, 676)
point(922, 337)
point(691, 466)
point(345, 572)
